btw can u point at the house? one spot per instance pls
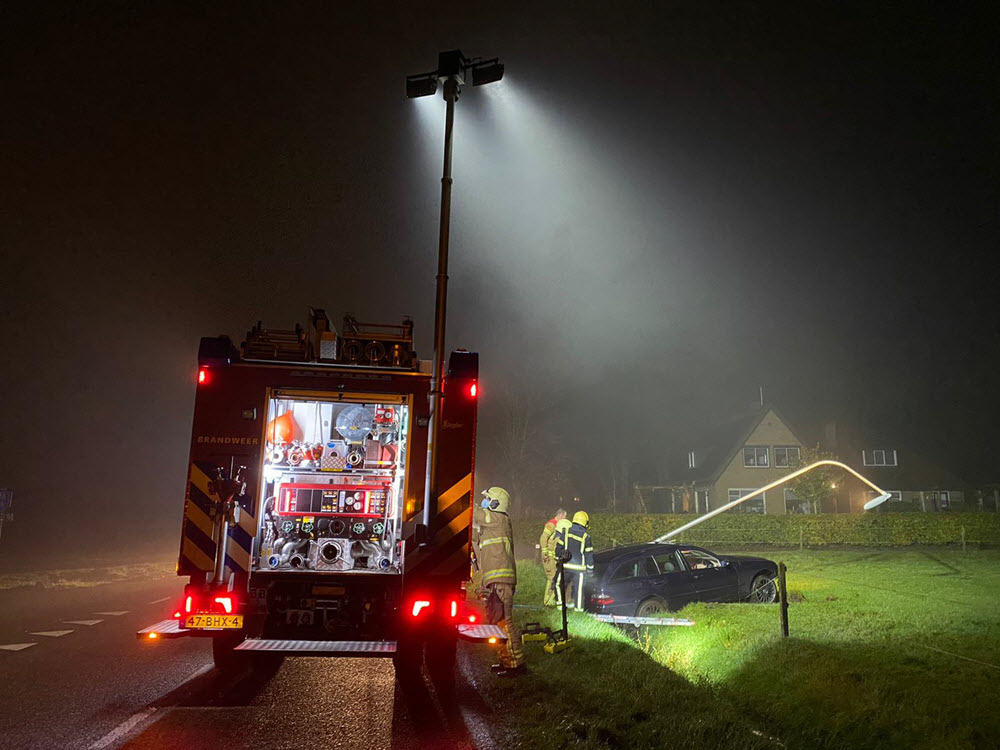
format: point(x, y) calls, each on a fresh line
point(913, 481)
point(735, 459)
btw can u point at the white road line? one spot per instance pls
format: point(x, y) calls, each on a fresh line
point(82, 622)
point(116, 613)
point(141, 719)
point(52, 633)
point(17, 646)
point(160, 601)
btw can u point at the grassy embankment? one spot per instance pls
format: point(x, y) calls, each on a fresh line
point(865, 666)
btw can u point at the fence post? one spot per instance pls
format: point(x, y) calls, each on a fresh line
point(963, 539)
point(801, 537)
point(783, 599)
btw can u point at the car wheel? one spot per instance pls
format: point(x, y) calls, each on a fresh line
point(763, 590)
point(652, 607)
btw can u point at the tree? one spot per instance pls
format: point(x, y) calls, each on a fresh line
point(815, 486)
point(530, 457)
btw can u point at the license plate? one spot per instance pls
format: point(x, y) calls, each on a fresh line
point(214, 622)
point(329, 590)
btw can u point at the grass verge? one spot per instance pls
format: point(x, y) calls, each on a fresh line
point(888, 649)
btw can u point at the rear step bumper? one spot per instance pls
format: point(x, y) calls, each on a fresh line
point(163, 629)
point(472, 632)
point(320, 648)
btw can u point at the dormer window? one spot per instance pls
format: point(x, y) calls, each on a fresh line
point(879, 457)
point(692, 464)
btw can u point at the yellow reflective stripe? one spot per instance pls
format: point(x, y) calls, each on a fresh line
point(578, 538)
point(574, 566)
point(498, 573)
point(494, 540)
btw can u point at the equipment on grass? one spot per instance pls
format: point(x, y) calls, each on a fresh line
point(555, 640)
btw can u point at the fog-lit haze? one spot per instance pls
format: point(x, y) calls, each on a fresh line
point(656, 213)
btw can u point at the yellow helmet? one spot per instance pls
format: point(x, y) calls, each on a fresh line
point(581, 518)
point(497, 498)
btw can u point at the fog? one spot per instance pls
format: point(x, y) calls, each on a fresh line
point(656, 214)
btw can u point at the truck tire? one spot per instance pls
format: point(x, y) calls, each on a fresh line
point(440, 658)
point(225, 658)
point(409, 654)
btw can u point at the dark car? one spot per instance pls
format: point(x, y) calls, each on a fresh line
point(648, 579)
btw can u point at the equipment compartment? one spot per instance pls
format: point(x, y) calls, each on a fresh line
point(334, 479)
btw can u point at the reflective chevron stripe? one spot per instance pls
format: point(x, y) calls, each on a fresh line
point(198, 542)
point(448, 552)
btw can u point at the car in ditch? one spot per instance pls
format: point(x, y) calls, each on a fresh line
point(645, 580)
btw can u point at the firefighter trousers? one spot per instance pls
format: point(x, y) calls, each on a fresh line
point(574, 588)
point(511, 653)
point(551, 597)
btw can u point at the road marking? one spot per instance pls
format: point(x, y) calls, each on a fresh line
point(122, 730)
point(82, 622)
point(116, 613)
point(160, 601)
point(137, 722)
point(16, 646)
point(52, 633)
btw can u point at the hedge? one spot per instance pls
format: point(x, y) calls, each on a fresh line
point(821, 530)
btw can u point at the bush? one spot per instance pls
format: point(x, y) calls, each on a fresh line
point(861, 529)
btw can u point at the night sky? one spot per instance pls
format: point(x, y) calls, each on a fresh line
point(660, 209)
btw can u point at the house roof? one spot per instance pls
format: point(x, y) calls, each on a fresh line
point(716, 447)
point(914, 471)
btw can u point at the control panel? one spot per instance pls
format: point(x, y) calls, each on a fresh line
point(296, 499)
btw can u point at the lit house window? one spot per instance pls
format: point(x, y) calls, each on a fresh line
point(755, 505)
point(879, 457)
point(755, 456)
point(691, 461)
point(786, 456)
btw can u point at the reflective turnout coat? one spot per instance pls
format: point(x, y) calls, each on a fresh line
point(580, 544)
point(494, 540)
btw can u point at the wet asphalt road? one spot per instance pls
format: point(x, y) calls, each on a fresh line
point(97, 687)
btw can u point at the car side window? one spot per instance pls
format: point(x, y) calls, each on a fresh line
point(697, 559)
point(625, 571)
point(668, 562)
point(650, 565)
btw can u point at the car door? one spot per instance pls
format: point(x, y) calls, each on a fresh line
point(674, 583)
point(712, 580)
point(630, 583)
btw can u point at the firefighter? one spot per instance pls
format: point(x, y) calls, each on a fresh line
point(495, 542)
point(559, 538)
point(547, 543)
point(581, 547)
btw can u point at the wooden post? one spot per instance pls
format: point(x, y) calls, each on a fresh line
point(801, 538)
point(963, 539)
point(783, 599)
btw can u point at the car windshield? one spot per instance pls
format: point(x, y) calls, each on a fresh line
point(698, 559)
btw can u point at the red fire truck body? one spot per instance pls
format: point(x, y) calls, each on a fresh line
point(302, 530)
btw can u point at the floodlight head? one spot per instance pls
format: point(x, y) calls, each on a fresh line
point(487, 72)
point(877, 501)
point(452, 64)
point(425, 84)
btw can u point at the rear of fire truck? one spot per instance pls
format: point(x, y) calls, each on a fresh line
point(302, 530)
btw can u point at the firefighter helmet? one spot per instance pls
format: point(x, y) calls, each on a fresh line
point(497, 498)
point(581, 518)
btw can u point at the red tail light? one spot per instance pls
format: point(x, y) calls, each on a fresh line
point(602, 601)
point(473, 390)
point(472, 618)
point(188, 604)
point(454, 609)
point(202, 375)
point(226, 602)
point(419, 606)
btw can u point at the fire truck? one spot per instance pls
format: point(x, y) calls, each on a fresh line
point(304, 530)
